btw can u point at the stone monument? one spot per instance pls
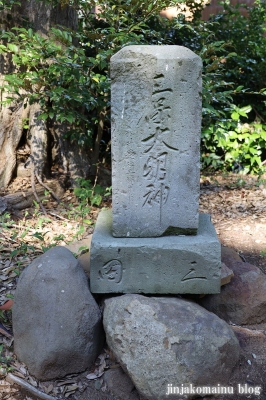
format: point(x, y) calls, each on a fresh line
point(154, 240)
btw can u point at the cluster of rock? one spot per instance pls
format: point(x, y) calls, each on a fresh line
point(157, 340)
point(153, 242)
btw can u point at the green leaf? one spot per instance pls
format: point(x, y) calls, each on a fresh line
point(96, 199)
point(43, 116)
point(13, 47)
point(38, 236)
point(235, 116)
point(87, 221)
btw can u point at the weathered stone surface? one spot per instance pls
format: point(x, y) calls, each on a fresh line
point(251, 368)
point(161, 341)
point(120, 385)
point(56, 321)
point(252, 342)
point(226, 274)
point(227, 253)
point(168, 264)
point(156, 124)
point(243, 300)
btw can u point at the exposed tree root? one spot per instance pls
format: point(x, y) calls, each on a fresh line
point(47, 188)
point(25, 385)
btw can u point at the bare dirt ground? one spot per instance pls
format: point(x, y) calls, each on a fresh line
point(237, 205)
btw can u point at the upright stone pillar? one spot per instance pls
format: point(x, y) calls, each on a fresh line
point(154, 240)
point(156, 124)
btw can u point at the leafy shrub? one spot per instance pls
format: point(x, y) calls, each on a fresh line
point(233, 49)
point(72, 81)
point(235, 145)
point(87, 192)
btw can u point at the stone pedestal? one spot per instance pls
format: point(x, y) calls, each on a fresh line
point(154, 240)
point(164, 265)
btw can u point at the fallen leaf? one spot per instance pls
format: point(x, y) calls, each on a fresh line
point(7, 305)
point(91, 376)
point(32, 381)
point(66, 382)
point(17, 373)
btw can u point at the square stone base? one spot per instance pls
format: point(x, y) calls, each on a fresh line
point(161, 265)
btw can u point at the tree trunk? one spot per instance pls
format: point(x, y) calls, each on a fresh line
point(73, 159)
point(10, 134)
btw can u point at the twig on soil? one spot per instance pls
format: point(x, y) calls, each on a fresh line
point(47, 188)
point(57, 216)
point(18, 381)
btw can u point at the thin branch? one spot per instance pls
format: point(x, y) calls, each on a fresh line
point(47, 188)
point(57, 216)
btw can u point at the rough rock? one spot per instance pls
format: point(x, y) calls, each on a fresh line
point(226, 274)
point(251, 369)
point(228, 253)
point(163, 340)
point(56, 321)
point(243, 300)
point(252, 342)
point(120, 385)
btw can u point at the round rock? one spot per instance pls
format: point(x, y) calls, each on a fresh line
point(243, 300)
point(56, 321)
point(163, 341)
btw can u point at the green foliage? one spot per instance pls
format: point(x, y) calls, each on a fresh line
point(5, 219)
point(235, 145)
point(7, 4)
point(263, 253)
point(87, 192)
point(68, 73)
point(55, 69)
point(6, 358)
point(245, 36)
point(233, 51)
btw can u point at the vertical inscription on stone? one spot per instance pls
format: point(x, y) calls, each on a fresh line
point(156, 147)
point(156, 122)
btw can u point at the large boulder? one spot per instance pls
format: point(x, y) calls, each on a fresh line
point(56, 321)
point(163, 341)
point(243, 300)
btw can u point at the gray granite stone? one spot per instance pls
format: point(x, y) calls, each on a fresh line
point(156, 124)
point(56, 321)
point(168, 264)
